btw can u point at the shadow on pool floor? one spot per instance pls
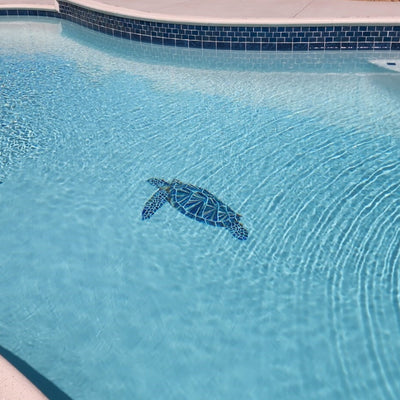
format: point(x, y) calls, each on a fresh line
point(48, 388)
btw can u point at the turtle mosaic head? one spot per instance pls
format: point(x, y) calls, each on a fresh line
point(196, 203)
point(159, 183)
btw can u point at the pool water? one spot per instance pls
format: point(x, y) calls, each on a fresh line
point(305, 146)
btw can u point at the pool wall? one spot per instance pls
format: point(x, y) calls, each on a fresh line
point(228, 37)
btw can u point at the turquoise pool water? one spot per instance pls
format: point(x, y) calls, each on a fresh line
point(107, 306)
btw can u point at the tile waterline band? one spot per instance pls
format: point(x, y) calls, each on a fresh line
point(228, 37)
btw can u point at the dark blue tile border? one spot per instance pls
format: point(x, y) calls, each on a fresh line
point(30, 12)
point(221, 37)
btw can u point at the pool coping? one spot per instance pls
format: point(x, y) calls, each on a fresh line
point(187, 18)
point(15, 386)
point(293, 17)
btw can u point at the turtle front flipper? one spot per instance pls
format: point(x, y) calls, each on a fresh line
point(154, 203)
point(238, 230)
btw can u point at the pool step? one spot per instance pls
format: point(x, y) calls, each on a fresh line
point(392, 65)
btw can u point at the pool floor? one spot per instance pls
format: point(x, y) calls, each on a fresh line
point(304, 146)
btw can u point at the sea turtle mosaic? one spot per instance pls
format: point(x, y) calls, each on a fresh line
point(196, 203)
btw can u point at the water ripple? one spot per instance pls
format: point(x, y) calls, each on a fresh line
point(309, 304)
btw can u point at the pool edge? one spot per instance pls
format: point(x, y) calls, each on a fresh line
point(15, 386)
point(191, 19)
point(297, 36)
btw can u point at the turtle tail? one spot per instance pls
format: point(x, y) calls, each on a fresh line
point(238, 230)
point(158, 183)
point(154, 203)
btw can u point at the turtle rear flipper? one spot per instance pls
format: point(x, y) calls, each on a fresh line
point(154, 203)
point(238, 230)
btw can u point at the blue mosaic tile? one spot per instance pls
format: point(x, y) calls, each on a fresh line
point(300, 47)
point(284, 47)
point(209, 45)
point(348, 46)
point(316, 46)
point(145, 39)
point(223, 45)
point(382, 46)
point(253, 46)
point(169, 42)
point(238, 46)
point(196, 44)
point(365, 46)
point(268, 47)
point(332, 46)
point(157, 40)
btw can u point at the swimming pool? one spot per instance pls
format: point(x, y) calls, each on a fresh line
point(305, 146)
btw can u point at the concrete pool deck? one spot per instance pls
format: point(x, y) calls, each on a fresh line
point(243, 12)
point(14, 385)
